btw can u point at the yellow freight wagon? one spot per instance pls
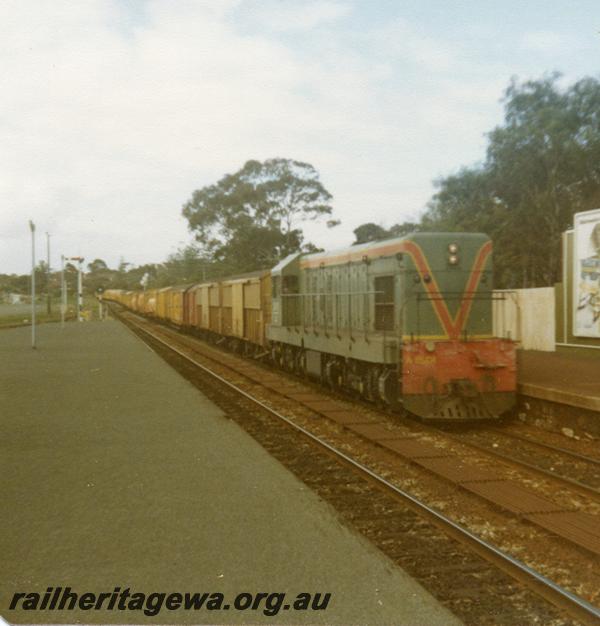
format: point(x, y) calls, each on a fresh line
point(214, 307)
point(246, 307)
point(174, 299)
point(150, 302)
point(203, 306)
point(114, 295)
point(161, 303)
point(257, 308)
point(196, 307)
point(226, 308)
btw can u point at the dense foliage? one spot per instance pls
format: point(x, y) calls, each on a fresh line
point(374, 232)
point(250, 219)
point(542, 166)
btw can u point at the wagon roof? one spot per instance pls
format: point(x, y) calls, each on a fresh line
point(175, 287)
point(234, 277)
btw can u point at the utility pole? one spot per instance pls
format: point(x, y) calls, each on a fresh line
point(63, 291)
point(32, 228)
point(79, 260)
point(49, 300)
point(80, 291)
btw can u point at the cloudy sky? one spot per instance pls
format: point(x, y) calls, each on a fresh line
point(113, 111)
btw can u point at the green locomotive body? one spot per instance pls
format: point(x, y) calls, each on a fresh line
point(405, 321)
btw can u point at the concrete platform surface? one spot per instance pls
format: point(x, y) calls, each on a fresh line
point(566, 378)
point(116, 472)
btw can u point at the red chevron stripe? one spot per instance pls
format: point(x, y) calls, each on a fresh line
point(471, 287)
point(451, 326)
point(439, 305)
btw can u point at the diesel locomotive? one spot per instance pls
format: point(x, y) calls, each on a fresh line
point(405, 322)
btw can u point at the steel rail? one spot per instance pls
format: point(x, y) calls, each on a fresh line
point(541, 444)
point(570, 483)
point(562, 598)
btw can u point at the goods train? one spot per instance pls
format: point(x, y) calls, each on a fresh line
point(405, 322)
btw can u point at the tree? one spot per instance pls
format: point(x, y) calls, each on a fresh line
point(369, 232)
point(97, 265)
point(41, 276)
point(293, 194)
point(99, 276)
point(405, 228)
point(14, 283)
point(542, 165)
point(251, 218)
point(186, 265)
point(374, 232)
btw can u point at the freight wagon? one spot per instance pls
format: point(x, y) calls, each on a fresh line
point(403, 322)
point(234, 311)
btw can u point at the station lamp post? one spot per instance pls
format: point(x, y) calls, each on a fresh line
point(79, 260)
point(32, 228)
point(48, 296)
point(63, 291)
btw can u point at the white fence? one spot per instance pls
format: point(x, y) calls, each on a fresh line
point(527, 316)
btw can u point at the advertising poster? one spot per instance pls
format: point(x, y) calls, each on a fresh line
point(586, 279)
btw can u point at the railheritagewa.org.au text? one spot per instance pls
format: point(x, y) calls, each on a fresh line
point(151, 604)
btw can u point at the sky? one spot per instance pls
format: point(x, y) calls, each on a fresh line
point(112, 112)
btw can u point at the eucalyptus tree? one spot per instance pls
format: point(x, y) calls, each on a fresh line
point(252, 218)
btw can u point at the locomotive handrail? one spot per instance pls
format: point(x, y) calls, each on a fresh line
point(330, 294)
point(455, 295)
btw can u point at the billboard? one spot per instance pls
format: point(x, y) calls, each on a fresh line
point(586, 274)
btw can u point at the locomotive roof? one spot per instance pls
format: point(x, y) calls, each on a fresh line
point(382, 247)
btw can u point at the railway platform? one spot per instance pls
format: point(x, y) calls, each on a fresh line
point(117, 472)
point(564, 386)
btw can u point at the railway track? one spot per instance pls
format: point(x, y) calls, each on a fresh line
point(576, 456)
point(577, 608)
point(577, 472)
point(574, 525)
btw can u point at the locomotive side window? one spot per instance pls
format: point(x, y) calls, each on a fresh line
point(384, 303)
point(329, 301)
point(322, 299)
point(289, 287)
point(315, 297)
point(290, 284)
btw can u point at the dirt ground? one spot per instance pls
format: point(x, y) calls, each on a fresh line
point(116, 472)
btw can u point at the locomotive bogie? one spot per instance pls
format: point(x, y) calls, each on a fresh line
point(374, 382)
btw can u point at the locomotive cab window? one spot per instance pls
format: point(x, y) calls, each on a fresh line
point(290, 284)
point(384, 303)
point(291, 306)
